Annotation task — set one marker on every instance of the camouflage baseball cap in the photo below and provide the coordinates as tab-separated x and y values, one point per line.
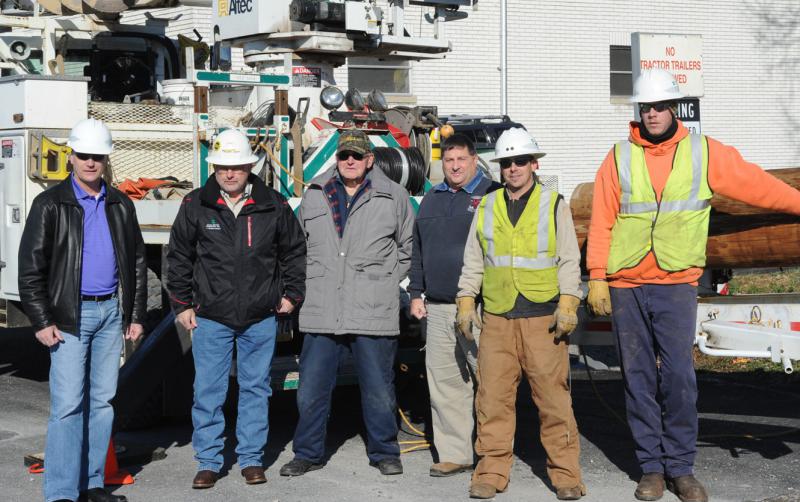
354	140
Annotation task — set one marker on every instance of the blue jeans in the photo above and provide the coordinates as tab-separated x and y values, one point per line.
659	320
212	347
319	361
83	380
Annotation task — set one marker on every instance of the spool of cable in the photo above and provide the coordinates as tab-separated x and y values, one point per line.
425	146
405	166
19	50
264	115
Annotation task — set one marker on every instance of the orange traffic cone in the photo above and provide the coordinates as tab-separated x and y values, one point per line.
114	475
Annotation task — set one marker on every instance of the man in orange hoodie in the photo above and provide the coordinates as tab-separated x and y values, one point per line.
646	251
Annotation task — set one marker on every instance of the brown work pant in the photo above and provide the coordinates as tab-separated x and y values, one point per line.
509	346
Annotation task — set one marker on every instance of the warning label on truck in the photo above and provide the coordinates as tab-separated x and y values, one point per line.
7	148
306	76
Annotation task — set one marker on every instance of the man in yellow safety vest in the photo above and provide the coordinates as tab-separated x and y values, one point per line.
522	256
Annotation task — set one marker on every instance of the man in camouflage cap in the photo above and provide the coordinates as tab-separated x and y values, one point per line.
358	226
355	140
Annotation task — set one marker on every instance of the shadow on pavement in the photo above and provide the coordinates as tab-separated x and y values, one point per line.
742	413
21	355
747	413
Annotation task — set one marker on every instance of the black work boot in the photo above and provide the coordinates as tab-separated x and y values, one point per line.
388	466
101	495
298	467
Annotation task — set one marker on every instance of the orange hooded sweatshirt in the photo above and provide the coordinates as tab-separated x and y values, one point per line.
728	174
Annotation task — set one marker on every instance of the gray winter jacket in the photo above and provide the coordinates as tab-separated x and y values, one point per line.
352	283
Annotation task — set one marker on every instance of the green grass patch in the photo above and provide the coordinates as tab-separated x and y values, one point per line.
783	281
759	372
703	362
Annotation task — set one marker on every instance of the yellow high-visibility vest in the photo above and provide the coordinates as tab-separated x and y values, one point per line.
676	228
518	259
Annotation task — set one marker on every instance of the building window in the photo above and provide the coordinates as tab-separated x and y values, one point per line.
621	74
391	77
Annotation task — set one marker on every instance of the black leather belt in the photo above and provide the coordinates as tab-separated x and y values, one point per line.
97	298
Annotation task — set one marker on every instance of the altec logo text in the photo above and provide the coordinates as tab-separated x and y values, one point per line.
231	7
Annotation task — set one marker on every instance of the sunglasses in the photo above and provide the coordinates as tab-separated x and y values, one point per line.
346	154
517	161
97	157
659	107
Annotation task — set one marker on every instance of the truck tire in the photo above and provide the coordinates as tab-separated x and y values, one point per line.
155	312
156	298
15	315
150	413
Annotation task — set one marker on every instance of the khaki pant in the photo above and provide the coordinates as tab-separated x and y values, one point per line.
509	346
451	363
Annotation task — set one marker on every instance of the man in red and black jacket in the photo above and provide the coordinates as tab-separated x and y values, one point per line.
237	257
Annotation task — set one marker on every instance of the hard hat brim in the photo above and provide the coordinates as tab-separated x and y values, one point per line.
93	149
535	155
656	98
222	161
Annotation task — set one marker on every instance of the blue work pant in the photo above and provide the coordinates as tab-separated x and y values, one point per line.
83	380
374	358
212	347
658	321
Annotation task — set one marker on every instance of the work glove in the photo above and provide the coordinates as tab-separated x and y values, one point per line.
565	318
599	298
467	316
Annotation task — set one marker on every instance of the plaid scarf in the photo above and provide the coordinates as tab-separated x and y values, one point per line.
337	200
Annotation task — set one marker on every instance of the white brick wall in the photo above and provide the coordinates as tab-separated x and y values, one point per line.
558	84
182	20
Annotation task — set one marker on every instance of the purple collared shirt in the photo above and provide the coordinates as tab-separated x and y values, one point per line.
99	269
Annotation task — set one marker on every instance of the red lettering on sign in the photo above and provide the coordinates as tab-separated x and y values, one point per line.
670	51
649	64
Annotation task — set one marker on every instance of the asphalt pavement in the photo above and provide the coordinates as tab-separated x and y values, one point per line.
748	451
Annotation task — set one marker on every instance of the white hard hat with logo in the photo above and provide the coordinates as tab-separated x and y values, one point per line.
90	136
516	142
656	85
231	148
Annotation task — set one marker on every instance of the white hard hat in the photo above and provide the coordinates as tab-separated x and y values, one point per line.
516	142
90	136
231	148
656	85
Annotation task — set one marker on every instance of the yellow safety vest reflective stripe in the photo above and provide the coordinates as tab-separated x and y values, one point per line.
521	258
675	228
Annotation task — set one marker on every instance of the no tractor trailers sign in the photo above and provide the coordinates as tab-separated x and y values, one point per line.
681	55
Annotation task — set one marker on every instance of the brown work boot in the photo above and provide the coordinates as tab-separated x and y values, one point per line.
444	469
204	479
688	489
482	491
571	492
650	487
254	475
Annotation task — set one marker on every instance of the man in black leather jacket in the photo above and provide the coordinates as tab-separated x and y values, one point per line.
82	282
